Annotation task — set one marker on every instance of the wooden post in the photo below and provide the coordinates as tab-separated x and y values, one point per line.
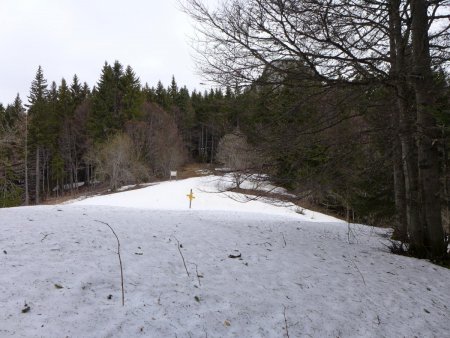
191	197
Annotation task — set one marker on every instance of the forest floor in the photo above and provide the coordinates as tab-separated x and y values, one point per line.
221	269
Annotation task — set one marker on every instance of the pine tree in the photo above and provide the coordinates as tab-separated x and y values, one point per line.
162	96
132	97
76	91
104	119
66	99
86	91
10	115
149	93
12	154
37	109
173	91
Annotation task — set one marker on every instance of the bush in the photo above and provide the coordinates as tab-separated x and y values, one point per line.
116	162
238	156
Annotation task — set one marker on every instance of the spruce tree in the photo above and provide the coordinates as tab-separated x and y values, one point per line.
149	93
37	109
162	96
104	117
76	91
173	91
66	100
86	91
132	96
12	113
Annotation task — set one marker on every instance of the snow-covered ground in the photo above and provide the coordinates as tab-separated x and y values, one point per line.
209	193
292	274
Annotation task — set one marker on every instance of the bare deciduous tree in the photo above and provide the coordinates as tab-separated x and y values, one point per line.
157	140
116	162
345	42
238	156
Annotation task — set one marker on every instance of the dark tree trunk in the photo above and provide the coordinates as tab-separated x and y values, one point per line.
404	121
401	226
410	172
38	176
27	191
427	133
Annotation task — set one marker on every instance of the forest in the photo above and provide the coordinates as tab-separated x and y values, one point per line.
350	119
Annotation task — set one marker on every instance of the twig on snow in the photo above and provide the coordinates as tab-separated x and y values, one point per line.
120	259
182	257
284	239
45	236
364	281
198	276
285	322
351	233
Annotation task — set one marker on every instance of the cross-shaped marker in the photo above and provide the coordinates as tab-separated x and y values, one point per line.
191	197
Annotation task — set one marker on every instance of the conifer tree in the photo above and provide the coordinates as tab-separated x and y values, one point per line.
149	93
86	91
76	91
10	115
173	91
37	109
132	97
104	119
161	95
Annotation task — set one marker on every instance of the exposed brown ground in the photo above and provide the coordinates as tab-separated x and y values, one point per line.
187	171
195	170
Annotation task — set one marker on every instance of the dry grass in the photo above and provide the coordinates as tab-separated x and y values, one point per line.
188	171
195	170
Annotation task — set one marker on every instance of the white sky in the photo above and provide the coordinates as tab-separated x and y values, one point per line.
77	36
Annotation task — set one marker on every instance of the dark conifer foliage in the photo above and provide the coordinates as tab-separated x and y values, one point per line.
328	144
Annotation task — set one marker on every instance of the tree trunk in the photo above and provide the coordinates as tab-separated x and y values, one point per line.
428	133
38	176
410	173
401	226
404	121
27	190
446	211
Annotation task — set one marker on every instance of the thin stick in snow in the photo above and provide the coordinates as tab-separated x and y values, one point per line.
46	235
198	276
120	259
285	322
284	239
182	257
364	281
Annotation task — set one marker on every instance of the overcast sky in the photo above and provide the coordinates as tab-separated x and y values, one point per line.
68	37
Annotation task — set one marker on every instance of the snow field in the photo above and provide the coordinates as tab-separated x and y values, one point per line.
290	270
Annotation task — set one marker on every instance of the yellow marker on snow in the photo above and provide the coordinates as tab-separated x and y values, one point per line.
191	197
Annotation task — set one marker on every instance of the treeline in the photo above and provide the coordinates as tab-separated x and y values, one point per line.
67	135
334	146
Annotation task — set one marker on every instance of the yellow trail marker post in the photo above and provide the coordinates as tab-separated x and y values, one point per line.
191	197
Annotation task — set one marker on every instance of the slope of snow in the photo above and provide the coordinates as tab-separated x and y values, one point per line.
293	276
172	195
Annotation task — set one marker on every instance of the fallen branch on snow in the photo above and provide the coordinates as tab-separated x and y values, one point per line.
356	266
120	259
182	257
284	239
285	322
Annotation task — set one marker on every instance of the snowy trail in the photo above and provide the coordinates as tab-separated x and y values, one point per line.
63	263
171	195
